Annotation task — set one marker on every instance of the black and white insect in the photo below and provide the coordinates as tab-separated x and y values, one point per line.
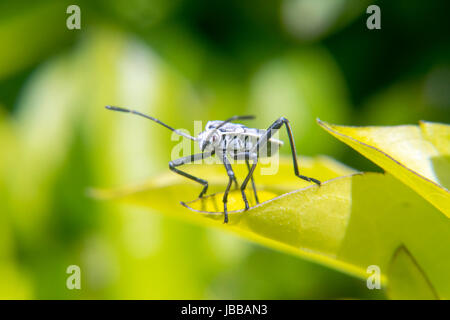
228	140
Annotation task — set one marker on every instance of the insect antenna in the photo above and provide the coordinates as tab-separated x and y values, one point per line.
233	118
151	118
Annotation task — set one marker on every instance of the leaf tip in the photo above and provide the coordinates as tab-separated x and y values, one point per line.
323	124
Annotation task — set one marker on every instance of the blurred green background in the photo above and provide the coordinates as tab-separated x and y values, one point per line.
182	61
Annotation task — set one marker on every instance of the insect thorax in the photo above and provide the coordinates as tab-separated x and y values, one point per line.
234	139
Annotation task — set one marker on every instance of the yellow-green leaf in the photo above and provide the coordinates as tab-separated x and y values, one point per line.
407	280
166	191
417	155
348	223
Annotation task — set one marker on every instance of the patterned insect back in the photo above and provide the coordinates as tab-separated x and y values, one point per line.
237	139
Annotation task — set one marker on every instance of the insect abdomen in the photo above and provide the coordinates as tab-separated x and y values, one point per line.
240	142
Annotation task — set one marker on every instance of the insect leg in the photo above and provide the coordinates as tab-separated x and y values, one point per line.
185	160
254	158
231	178
236	185
276	126
253	182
